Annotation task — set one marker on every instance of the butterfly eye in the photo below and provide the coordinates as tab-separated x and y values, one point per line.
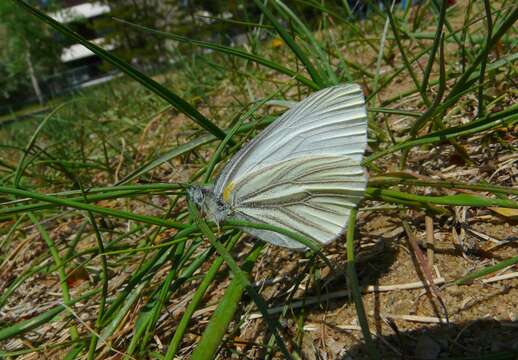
196	194
221	205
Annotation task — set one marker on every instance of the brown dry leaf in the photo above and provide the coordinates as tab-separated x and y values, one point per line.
511	214
77	276
108	203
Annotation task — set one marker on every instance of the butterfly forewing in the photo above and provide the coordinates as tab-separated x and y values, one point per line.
332	121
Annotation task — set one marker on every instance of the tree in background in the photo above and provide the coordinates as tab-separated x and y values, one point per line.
29	50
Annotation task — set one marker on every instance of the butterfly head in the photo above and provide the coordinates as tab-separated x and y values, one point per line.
211	205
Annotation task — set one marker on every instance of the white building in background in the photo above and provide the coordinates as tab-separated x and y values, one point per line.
82	65
85	10
81	12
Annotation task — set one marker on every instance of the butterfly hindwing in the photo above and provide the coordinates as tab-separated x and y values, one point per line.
311	195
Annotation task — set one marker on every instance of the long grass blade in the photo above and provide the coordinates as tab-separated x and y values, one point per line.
323	60
20	169
451	200
354	286
27	325
438	40
201	289
407	179
224	313
402	51
241	277
483	63
486	271
94	208
74	334
180	150
500	29
506	117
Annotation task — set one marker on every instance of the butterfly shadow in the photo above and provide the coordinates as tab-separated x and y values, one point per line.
475	339
308	285
467	340
310	277
293	281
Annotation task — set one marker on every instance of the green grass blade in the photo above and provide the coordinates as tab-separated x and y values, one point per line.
500	30
167	156
438	39
114	194
178	151
210	274
44	348
450	200
94	208
354	286
432	109
494	66
179	258
407	179
21	163
349	23
483	63
147	269
27	325
323	60
74	352
416	57
506	117
74	335
380	55
487	270
241	277
231	132
395	111
224	313
104	279
402	51
129	302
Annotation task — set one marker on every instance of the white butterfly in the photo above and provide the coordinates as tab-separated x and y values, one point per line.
301	173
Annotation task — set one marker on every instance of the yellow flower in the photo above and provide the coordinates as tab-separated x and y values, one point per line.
277	43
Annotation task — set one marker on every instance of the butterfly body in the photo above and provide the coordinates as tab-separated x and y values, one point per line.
301	173
210	204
